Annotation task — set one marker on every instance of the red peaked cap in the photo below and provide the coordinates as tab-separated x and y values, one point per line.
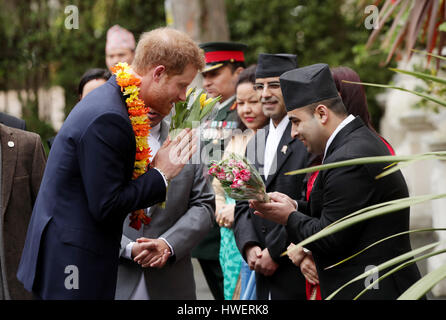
218	53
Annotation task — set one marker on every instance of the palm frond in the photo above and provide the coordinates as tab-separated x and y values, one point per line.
386	208
441	155
399	259
382	240
402	266
419	288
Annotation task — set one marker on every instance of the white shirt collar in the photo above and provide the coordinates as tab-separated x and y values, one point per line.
345	122
155	131
279	130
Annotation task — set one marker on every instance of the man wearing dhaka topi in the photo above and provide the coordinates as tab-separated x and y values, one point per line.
119	47
100	169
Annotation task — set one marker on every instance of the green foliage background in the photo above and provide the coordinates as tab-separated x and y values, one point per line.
317	31
38	51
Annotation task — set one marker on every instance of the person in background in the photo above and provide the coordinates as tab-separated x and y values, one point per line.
224	62
249	109
90	80
187	217
22	163
119	47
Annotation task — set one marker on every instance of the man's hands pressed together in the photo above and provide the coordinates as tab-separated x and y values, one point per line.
150	252
174	154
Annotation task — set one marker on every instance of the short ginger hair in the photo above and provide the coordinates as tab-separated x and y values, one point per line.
168	47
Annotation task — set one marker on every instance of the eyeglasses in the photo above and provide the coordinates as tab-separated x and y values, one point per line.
270	85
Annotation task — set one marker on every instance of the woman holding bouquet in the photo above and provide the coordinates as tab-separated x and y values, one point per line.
249	109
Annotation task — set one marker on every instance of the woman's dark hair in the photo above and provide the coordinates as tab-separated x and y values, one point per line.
353	95
247	75
92	74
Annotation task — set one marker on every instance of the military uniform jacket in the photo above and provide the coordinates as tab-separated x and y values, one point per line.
216	135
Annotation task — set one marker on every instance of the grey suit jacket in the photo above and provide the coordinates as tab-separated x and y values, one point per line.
186	219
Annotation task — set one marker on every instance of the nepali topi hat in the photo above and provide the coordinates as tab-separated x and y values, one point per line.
307	85
274	65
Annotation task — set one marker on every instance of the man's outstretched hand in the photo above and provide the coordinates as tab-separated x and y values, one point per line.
278	210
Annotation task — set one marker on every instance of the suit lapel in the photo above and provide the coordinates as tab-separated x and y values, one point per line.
282	153
256	153
340	137
9	161
164	132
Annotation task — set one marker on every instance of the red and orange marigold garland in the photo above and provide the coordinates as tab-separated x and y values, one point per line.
138	114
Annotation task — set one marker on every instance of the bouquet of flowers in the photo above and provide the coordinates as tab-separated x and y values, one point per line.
197	108
239	179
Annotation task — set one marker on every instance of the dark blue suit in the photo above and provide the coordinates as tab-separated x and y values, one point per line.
85	195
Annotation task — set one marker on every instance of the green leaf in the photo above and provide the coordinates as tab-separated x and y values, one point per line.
419	288
382	240
388	207
365	160
420	94
403	165
399	259
420	75
442	27
430	54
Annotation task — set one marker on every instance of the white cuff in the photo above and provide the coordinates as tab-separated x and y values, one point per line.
128	250
171	249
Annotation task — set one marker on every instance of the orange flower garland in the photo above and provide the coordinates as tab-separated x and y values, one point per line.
138	114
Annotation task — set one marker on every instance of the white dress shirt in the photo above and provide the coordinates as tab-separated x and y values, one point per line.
272	142
141	292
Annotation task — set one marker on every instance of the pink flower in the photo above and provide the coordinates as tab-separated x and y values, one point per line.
232	163
237	184
244	175
221	175
229	177
241	165
214	170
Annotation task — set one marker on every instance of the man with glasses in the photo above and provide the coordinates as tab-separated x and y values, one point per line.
273	152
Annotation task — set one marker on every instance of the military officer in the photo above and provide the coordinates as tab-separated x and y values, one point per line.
224	62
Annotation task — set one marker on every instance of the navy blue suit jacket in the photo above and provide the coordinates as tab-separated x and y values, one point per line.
73	239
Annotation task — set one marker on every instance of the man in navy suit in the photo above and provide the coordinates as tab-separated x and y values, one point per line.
73	239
